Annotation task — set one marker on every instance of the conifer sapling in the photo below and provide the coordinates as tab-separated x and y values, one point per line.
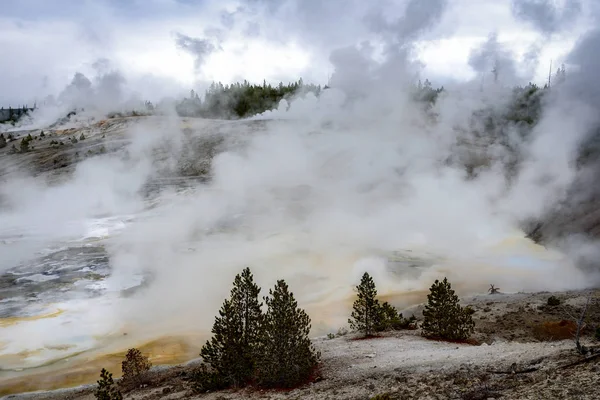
444	318
106	389
287	357
366	314
135	368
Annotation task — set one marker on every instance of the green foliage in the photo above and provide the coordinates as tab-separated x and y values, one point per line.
366	314
240	99
2	141
135	368
207	380
82	137
24	145
107	389
390	318
330	336
553	301
73	140
236	333
383	396
444	318
42	134
286	357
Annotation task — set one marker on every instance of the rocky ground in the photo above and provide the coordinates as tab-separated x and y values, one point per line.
522	349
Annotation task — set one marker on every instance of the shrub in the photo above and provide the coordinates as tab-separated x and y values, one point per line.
82	137
107	389
206	380
555	330
366	314
24	146
383	396
330	336
287	357
553	301
390	318
135	368
444	318
231	351
2	141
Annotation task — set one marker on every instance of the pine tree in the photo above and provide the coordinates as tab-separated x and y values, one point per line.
106	387
2	141
135	368
287	357
24	146
367	311
444	318
232	350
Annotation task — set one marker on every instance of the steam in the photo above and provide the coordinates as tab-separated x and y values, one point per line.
545	15
199	48
324	188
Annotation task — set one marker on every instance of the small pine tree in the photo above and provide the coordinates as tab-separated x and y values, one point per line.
135	368
2	141
367	311
107	389
287	357
82	137
24	146
444	318
236	333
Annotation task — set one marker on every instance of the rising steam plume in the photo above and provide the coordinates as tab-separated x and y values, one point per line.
322	189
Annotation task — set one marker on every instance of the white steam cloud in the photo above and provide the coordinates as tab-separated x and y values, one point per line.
325	189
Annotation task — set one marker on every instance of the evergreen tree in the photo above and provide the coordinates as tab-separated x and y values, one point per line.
24	146
232	350
390	318
106	389
2	141
287	357
444	318
367	311
135	368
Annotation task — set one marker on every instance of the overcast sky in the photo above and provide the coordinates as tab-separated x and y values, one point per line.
162	47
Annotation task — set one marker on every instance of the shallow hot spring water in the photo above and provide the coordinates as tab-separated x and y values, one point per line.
63	316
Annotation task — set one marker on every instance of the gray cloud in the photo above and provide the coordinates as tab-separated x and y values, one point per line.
545	16
493	56
199	48
582	82
418	16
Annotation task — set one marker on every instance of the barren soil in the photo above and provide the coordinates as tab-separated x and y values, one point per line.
514	356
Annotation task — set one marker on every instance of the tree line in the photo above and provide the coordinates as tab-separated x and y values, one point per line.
272	348
241	100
